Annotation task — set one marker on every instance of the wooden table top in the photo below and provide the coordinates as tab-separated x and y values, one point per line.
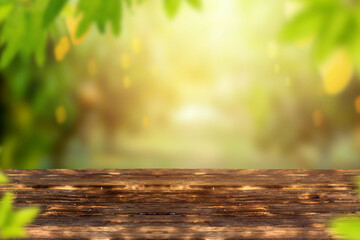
184	204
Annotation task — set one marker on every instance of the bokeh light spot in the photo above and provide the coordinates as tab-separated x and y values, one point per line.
287	81
92	67
60	114
357	104
146	121
277	68
125	61
136	45
72	25
89	94
318	118
291	8
305	42
61	48
273	50
337	72
127	82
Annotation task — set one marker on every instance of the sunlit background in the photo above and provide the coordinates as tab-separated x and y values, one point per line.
209	88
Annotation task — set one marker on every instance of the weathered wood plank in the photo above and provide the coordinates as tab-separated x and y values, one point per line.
184	204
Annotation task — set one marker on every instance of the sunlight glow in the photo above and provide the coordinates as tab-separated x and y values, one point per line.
196	113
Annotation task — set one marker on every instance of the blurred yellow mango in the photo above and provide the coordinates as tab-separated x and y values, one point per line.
61	48
72	25
60	114
337	72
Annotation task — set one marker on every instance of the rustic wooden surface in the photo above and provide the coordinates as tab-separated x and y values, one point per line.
184	204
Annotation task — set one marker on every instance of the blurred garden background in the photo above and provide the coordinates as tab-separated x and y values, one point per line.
179	84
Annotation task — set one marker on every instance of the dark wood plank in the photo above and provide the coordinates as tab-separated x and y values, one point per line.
184	204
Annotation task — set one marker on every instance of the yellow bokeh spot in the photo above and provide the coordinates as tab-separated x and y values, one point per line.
146	121
277	68
291	7
357	104
72	25
127	81
288	81
337	72
62	48
305	42
318	118
89	93
136	45
92	67
273	50
125	61
60	115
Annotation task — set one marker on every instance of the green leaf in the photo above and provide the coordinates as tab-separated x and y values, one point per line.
5	209
24	216
12	232
128	3
12	35
5	10
89	11
3	178
331	34
348	228
195	4
53	8
354	46
305	24
40	51
99	12
37	35
23	34
12	222
172	7
115	13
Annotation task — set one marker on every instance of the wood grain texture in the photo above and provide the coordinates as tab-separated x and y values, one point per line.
184	204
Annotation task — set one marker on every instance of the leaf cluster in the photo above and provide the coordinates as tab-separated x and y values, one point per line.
12	222
331	24
25	25
172	7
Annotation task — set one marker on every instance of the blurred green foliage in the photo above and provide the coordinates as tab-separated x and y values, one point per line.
172	7
12	222
30	94
330	24
34	21
33	84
